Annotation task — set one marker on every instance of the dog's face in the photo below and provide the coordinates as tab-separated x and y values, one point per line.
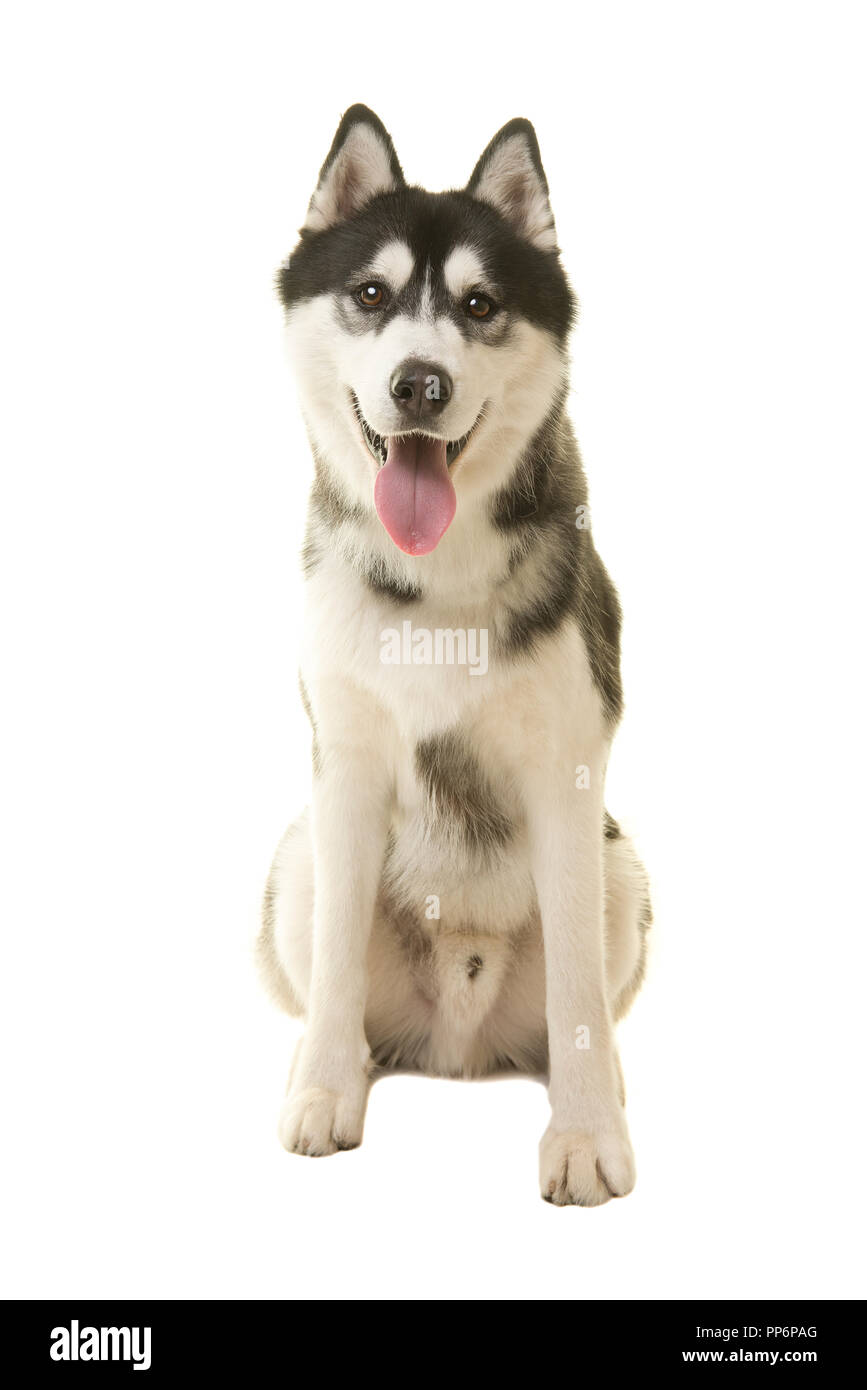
427	330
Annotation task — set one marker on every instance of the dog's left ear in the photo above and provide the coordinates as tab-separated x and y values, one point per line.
361	163
510	177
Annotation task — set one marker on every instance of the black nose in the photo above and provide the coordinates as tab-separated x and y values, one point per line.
420	389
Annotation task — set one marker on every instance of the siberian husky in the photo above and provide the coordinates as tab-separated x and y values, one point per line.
457	899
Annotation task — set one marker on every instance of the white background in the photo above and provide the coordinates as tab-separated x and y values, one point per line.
706	167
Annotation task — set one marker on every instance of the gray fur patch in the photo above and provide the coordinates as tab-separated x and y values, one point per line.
460	797
555	573
378	578
328	508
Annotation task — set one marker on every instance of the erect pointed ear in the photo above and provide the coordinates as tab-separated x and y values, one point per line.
360	164
510	177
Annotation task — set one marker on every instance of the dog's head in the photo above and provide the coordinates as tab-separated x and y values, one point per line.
427	329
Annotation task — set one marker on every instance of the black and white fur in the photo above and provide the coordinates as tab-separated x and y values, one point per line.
429	782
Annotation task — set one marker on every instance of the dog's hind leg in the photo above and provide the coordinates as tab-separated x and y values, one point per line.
627	919
517	1027
284	947
396	1018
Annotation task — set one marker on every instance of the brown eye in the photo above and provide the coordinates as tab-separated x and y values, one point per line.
478	306
370	296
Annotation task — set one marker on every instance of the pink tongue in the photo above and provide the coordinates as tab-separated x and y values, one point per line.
413	494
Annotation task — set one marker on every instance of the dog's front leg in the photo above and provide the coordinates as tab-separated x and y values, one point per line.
324	1108
585	1154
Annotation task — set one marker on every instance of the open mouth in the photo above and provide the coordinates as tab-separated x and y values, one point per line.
378	445
413	494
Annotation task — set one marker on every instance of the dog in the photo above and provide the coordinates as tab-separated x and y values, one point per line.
457	899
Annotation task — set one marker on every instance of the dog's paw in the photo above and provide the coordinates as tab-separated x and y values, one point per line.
585	1170
316	1122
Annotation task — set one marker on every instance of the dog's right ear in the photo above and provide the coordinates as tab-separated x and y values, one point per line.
360	164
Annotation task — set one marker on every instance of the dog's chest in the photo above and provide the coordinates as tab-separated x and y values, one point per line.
431	664
434	667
